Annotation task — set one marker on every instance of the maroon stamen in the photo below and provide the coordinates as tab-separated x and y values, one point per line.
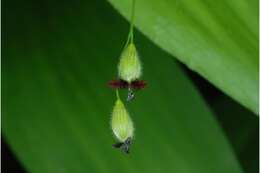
138	84
121	84
118	84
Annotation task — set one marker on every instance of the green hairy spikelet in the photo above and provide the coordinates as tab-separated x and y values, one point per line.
129	68
121	123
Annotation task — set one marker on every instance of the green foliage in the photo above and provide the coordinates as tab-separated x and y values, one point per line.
217	39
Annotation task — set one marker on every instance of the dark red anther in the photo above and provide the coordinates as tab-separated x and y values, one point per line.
118	84
138	84
121	84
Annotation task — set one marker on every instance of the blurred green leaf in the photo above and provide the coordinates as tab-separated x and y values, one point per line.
217	39
57	59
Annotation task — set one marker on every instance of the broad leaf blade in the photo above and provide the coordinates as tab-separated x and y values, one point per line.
217	39
56	108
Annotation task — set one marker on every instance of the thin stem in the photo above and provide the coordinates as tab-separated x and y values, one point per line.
117	94
130	37
132	22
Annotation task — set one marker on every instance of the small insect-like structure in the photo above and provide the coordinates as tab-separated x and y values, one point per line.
129	72
122	126
124	146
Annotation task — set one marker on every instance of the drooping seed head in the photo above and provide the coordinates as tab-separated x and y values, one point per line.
129	68
122	124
